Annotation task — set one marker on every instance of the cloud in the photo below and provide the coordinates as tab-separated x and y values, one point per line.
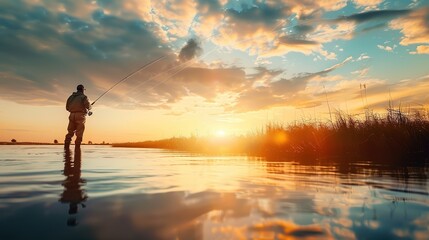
385	48
279	93
307	40
256	99
256	28
296	84
331	5
375	96
48	47
191	50
172	86
374	27
414	27
59	47
367	4
129	9
323	31
328	55
209	17
208	83
249	29
291	40
286	44
56	51
313	9
422	49
374	15
16	88
362	72
363	56
412	93
311	90
309	36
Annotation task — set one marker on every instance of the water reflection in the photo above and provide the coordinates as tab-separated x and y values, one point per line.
153	194
73	194
170	215
353	199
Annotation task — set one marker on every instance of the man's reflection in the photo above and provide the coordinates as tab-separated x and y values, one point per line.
73	194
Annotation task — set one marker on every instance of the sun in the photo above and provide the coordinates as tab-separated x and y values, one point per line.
220	133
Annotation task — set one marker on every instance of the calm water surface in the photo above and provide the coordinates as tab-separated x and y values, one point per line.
122	193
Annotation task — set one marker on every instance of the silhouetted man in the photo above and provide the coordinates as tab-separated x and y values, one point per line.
78	105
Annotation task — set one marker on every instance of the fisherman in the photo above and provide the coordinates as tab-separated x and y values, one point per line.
78	105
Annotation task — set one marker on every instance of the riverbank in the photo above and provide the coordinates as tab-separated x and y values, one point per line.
42	143
27	143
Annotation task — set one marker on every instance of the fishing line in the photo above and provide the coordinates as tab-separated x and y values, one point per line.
128	76
171	69
133	90
188	63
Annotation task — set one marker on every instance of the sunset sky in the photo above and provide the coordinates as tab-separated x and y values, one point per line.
229	66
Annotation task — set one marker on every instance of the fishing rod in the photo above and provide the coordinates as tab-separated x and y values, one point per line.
128	76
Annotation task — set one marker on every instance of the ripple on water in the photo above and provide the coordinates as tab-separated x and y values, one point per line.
156	194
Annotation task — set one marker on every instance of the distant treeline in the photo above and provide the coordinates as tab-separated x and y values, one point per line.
393	136
43	143
25	143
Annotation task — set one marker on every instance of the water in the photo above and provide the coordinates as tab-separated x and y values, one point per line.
123	193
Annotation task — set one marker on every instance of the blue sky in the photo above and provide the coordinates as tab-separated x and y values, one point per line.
241	57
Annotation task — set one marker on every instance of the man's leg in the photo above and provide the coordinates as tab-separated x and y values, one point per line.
80	128
70	130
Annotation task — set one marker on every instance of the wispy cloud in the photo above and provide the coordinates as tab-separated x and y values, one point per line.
363	56
385	48
279	93
374	15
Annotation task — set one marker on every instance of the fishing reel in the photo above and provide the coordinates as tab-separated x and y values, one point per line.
89	113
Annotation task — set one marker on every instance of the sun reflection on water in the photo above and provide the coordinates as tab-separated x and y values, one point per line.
156	194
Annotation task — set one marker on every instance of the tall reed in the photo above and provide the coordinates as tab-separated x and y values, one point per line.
396	135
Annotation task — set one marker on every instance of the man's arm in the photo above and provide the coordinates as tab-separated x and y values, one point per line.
68	103
86	103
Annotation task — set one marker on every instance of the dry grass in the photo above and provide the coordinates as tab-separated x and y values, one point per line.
381	138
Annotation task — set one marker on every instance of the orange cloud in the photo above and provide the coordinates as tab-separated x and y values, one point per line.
207	24
252	29
141	7
368	4
305	8
422	49
331	5
414	27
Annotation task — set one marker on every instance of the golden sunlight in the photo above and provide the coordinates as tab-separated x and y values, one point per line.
280	138
220	133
